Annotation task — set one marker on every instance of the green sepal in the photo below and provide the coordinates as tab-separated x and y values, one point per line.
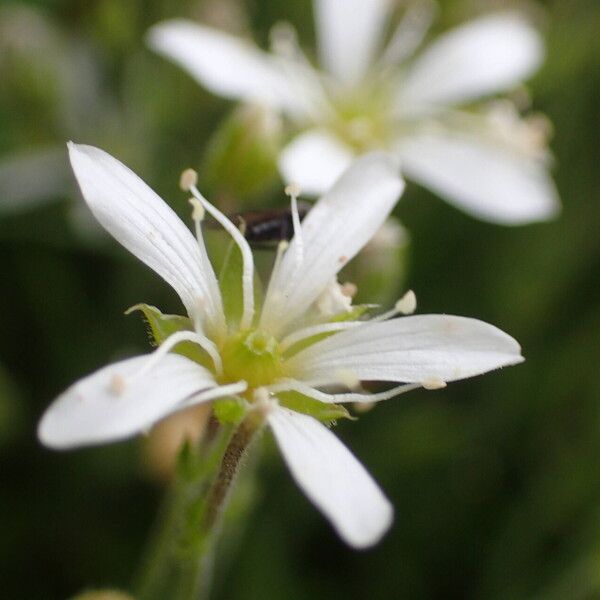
324	412
230	410
230	282
352	315
161	326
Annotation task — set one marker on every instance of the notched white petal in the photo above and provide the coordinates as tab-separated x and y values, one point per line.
483	177
141	221
349	33
332	478
483	57
416	349
333	232
115	402
225	64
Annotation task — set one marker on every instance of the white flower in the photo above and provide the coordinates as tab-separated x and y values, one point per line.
486	159
286	346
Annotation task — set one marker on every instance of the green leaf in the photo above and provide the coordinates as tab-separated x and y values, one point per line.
229	410
161	326
324	412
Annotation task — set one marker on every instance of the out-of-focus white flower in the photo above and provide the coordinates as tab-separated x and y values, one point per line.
290	345
484	159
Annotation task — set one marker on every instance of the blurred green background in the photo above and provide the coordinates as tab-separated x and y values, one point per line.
496	481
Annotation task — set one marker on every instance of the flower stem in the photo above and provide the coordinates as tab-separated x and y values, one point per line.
179	563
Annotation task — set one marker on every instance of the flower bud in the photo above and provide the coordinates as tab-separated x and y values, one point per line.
241	159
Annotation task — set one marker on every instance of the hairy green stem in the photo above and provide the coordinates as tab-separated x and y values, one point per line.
178	564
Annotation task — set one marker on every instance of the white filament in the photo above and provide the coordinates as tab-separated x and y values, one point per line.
182	336
247	261
307	390
293	191
217	392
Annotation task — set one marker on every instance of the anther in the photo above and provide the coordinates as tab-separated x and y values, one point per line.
348	379
348	289
292	190
247	261
434	383
188	179
198	211
407	304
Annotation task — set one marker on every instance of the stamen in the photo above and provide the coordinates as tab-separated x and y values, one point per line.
188	179
303	388
405	306
281	249
293	191
349	289
434	383
218	392
182	336
248	263
198	214
333	301
198	211
347	378
313	330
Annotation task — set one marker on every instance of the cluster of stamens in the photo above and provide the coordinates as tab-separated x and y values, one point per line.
249	359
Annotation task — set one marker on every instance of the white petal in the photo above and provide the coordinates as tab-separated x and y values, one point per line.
225	64
416	349
334	230
113	404
349	33
482	177
483	57
332	478
314	160
137	218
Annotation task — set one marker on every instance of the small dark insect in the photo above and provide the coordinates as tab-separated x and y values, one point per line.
266	228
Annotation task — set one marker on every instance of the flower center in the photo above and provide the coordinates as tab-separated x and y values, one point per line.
252	356
362	119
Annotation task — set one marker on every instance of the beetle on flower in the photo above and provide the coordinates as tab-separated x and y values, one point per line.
282	361
423	107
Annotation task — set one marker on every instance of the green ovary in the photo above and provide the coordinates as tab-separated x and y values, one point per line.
253	357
